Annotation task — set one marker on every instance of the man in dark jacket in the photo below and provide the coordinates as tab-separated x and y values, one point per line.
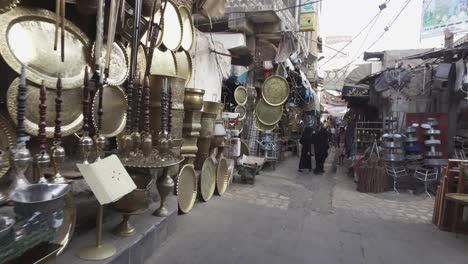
320	140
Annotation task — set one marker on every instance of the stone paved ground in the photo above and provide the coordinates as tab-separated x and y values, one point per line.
291	217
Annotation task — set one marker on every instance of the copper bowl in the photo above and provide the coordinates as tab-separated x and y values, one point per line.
193	99
139	199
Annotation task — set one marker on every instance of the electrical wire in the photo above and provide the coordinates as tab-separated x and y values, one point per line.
313	40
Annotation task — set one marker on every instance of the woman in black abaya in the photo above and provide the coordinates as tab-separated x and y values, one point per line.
306	153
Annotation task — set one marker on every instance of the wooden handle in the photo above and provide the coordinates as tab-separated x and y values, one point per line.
42	117
21	107
58	110
146	113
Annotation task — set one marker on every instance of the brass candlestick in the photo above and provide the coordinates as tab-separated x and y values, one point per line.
57	151
42	159
86	142
20	155
165	185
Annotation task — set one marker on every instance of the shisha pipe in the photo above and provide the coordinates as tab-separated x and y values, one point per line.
152	36
135	38
163	141
136	136
99	33
42	159
100	139
57	151
20	155
147	143
86	142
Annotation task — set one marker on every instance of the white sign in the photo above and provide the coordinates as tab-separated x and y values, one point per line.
441	14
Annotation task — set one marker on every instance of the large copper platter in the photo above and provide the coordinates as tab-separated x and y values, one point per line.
187	28
8	138
119	63
163	63
222	176
184	65
262	127
72	116
186	188
27	36
240	109
172	33
267	114
114	111
7	5
208	179
275	90
66	230
240	95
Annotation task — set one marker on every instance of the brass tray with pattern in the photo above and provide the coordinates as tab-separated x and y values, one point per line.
27	36
242	111
72	110
66	230
184	65
156	19
275	90
163	63
172	33
222	176
268	114
114	107
208	179
141	58
186	188
262	127
119	63
8	139
188	34
240	95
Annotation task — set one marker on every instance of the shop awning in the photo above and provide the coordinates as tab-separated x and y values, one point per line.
351	88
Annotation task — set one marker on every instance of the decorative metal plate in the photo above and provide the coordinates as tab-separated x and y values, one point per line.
163	63
172	33
275	90
267	114
184	65
222	176
7	5
188	35
119	63
27	36
240	95
7	140
72	116
65	232
242	111
186	188
141	58
114	107
262	127
208	179
157	18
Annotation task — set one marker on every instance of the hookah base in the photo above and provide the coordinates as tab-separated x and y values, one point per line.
161	212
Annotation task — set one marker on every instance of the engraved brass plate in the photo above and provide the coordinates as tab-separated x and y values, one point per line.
222	176
187	28
275	90
72	117
241	110
119	63
208	179
262	127
267	114
184	65
66	230
8	139
141	58
27	37
163	63
114	105
186	188
172	33
240	95
156	19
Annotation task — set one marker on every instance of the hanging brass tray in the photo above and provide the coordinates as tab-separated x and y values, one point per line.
172	33
275	90
114	110
72	116
262	127
119	63
163	63
242	111
141	58
186	188
27	36
208	179
7	5
184	65
240	95
188	35
222	176
156	19
267	114
66	230
8	139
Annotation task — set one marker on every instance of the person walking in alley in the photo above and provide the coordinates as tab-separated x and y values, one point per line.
321	145
341	145
306	152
